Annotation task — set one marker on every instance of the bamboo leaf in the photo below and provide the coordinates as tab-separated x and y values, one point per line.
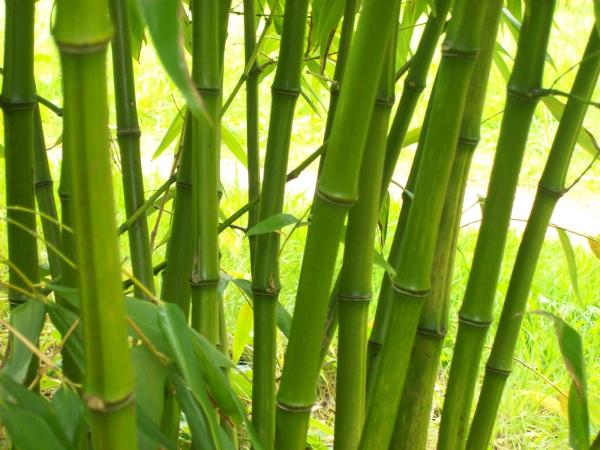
27	430
273	223
27	319
163	18
172	133
71	414
571	348
596	443
243	327
149	395
379	260
594	246
63	319
326	15
597	15
149	434
234	145
570	257
137	28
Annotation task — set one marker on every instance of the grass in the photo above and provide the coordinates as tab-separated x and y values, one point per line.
532	414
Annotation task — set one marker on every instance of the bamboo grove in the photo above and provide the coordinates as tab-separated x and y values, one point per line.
143	356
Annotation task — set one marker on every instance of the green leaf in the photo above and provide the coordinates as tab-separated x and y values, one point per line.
24	412
28	320
571	348
71	415
163	18
63	319
150	436
556	108
172	133
136	28
243	327
570	257
380	261
149	395
597	14
234	145
273	223
326	15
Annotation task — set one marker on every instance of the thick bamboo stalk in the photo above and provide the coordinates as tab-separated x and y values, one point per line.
128	136
252	119
82	32
354	290
550	189
476	312
412	281
414	85
414	412
44	193
337	190
18	103
206	73
265	278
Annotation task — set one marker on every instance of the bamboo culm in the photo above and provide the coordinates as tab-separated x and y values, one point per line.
337	190
354	290
412	281
550	190
128	136
414	411
265	277
475	314
82	31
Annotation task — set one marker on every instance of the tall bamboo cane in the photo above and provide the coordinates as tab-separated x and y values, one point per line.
18	103
415	407
476	312
128	136
412	281
252	119
337	190
206	73
550	190
354	289
44	193
265	279
82	32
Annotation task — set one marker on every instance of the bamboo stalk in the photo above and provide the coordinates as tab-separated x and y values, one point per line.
550	190
476	312
128	136
354	290
18	103
412	281
82	32
44	192
414	85
206	73
414	412
337	190
252	124
265	277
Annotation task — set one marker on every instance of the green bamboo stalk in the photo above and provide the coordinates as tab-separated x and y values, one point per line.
354	290
337	190
476	312
18	102
550	190
128	136
413	418
265	277
44	192
414	85
252	119
412	281
82	32
206	74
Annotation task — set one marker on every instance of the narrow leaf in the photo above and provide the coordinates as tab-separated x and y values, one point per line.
273	223
243	327
570	257
234	145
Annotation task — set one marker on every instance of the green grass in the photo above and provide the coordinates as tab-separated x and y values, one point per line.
532	415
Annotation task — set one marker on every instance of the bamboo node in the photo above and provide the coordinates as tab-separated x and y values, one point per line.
99	405
333	200
196	281
183	185
286	91
410	292
473	322
388	101
501	372
8	105
82	49
411	84
463	53
203	90
525	95
274	292
293	408
375	344
354	298
437	334
42	183
122	132
469	142
551	192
